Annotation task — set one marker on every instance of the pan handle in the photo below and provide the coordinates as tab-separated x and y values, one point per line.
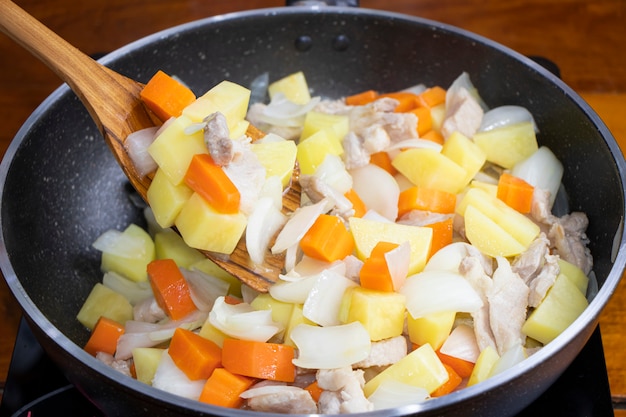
349	3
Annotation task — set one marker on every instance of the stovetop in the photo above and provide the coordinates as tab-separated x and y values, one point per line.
36	387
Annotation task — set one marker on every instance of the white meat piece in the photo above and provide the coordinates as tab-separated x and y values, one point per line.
463	114
472	269
343	391
119	365
317	189
291	400
354	153
217	139
375	139
247	174
538	268
399	126
338	107
385	352
508	303
353	267
148	311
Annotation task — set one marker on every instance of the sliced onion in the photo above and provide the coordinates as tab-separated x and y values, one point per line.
435	291
273	188
168	377
414	144
378	189
461	343
119	244
392	393
542	170
258	88
302	219
505	116
264	222
333	172
510	358
330	347
464	81
133	291
295	291
204	289
241	321
448	258
283	112
323	302
398	261
137	144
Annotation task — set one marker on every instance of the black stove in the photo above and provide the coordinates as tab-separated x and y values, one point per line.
36	387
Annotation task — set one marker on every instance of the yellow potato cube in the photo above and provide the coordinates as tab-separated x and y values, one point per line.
293	86
575	274
173	149
431	169
508	145
381	313
166	199
483	366
146	361
432	328
488	236
312	151
464	152
228	98
297	317
204	228
278	158
336	127
132	263
212	333
420	368
367	233
169	245
103	301
491	189
438	114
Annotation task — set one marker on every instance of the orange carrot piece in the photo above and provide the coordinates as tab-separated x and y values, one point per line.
443	233
361	99
359	206
328	239
315	390
433	136
229	299
407	101
454	380
515	192
259	359
223	388
170	288
424	120
104	336
427	199
210	181
374	273
462	367
383	160
196	356
165	96
431	97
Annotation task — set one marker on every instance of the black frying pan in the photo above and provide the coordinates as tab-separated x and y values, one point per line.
61	187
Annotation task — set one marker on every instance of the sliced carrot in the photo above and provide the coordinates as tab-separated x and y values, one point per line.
427	199
104	336
315	390
424	120
223	388
454	380
407	101
359	206
443	232
170	288
431	97
209	180
196	356
383	160
259	359
229	299
361	99
165	96
433	136
374	273
462	367
515	192
328	239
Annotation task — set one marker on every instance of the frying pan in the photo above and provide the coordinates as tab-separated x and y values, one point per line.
61	187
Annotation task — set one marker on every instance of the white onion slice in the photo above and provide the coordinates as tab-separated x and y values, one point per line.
332	171
263	223
168	377
241	321
137	144
323	303
302	219
435	291
330	347
293	291
392	393
204	289
542	170
283	112
415	144
133	291
510	358
398	261
448	258
119	244
378	189
461	343
505	116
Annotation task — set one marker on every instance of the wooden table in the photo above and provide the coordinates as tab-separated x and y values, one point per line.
583	37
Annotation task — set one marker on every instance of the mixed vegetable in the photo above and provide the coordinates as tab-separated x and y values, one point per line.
425	256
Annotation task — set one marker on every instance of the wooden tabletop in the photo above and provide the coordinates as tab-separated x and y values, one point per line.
585	38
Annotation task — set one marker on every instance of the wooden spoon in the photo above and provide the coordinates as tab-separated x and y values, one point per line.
114	104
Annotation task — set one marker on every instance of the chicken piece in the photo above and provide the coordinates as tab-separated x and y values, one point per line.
217	139
122	366
380	113
148	311
538	268
508	303
354	153
317	189
343	391
472	269
385	352
463	113
284	400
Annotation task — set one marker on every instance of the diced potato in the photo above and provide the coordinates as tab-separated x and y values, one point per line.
210	268
293	86
438	114
173	149
146	361
278	158
166	199
432	328
103	301
420	368
132	264
381	313
312	151
464	152
281	311
204	228
239	129
336	127
297	317
431	169
367	233
212	333
491	189
169	245
488	237
508	145
228	98
575	274
484	364
561	306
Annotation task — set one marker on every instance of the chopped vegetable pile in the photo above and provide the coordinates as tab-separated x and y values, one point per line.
425	256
